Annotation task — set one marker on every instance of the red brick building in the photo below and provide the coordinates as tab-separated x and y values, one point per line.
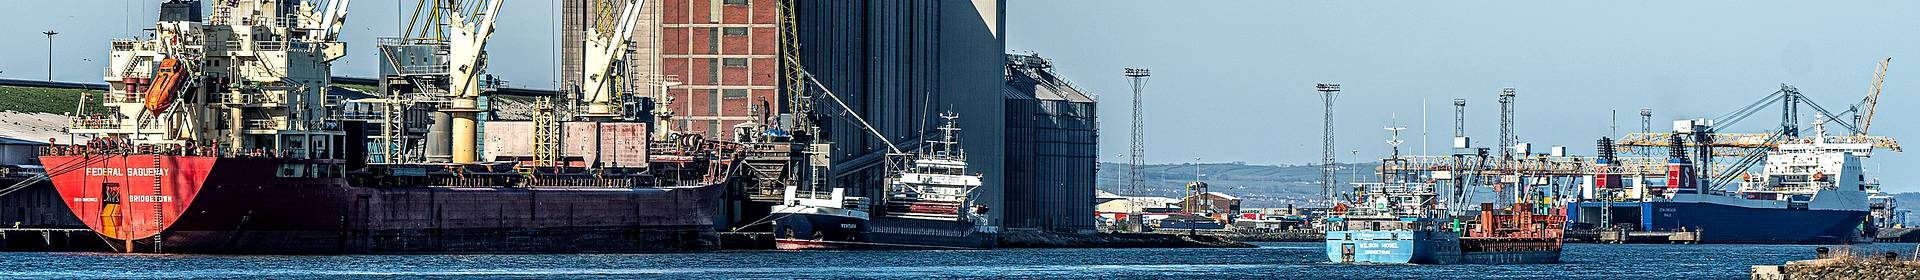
726	55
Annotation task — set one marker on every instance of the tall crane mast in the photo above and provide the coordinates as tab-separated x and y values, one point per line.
1873	96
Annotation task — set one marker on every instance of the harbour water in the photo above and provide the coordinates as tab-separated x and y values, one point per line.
1271	260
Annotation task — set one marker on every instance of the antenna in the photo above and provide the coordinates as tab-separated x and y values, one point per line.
1328	92
1395	128
1507	138
1138	158
1459	118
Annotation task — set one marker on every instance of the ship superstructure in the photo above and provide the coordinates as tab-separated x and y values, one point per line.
928	205
252	78
934	184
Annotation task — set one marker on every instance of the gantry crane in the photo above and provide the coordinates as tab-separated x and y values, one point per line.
1750	149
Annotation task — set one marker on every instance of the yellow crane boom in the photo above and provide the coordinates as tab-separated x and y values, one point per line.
1873	96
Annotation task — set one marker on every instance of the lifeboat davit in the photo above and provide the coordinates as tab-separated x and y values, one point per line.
165	83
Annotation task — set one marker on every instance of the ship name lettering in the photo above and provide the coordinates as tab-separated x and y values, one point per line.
147	171
149	198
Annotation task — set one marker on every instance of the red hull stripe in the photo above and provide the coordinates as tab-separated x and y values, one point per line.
130	196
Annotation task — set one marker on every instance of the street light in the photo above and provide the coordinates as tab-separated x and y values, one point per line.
50	34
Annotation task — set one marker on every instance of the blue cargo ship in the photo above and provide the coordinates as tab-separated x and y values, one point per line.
1809	191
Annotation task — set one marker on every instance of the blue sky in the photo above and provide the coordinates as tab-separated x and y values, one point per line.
1233	80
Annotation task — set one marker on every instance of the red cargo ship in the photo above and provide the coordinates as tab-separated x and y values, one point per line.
183	201
220	141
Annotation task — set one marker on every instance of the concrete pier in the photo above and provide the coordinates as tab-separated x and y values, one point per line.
44	239
1035	239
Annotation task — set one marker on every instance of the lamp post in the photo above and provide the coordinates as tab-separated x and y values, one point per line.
50	34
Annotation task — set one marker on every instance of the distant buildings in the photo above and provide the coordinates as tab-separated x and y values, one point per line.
1216	205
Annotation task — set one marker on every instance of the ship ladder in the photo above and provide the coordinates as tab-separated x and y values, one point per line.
159	217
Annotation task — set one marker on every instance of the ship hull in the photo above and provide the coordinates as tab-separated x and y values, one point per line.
810	231
1432	247
1730	224
833	232
243	206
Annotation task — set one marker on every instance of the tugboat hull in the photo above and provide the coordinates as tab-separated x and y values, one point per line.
795	231
1432	247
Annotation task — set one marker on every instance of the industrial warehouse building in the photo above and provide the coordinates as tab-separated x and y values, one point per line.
1051	144
896	63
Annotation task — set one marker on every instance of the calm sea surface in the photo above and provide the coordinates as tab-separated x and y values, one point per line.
1271	260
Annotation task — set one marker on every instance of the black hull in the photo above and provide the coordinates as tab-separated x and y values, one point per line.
812	231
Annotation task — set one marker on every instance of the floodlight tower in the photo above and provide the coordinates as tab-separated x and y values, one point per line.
1137	159
1328	92
1507	138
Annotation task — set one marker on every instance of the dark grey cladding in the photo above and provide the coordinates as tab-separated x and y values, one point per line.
1051	144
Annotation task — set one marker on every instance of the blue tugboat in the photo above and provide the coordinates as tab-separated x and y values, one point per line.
1403	220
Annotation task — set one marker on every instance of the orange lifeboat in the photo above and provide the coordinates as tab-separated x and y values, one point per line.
166	81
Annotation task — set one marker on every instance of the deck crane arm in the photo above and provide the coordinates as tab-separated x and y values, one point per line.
604	48
329	30
466	66
336	16
468	49
1873	96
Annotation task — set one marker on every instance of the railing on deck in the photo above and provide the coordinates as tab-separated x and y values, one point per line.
263	124
95	123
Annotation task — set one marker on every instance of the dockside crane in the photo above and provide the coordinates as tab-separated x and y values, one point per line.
1747	150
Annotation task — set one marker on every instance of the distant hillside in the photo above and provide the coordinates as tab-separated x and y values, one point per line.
46	100
1908	201
1259	186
